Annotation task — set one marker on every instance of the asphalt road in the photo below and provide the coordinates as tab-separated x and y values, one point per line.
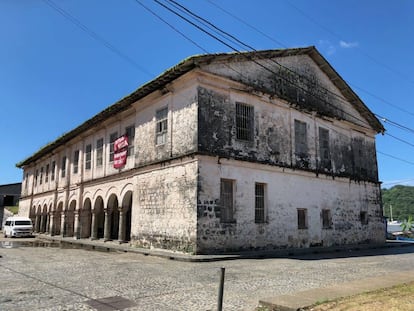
50	278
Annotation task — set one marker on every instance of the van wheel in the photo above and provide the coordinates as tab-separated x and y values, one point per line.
5	235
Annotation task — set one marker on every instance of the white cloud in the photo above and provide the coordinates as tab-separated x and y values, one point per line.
327	46
348	45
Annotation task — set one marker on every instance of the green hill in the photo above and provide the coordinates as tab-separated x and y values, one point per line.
401	198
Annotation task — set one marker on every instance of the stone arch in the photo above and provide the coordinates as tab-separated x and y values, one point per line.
126	219
43	219
57	217
69	219
85	219
49	216
98	219
112	213
38	215
32	214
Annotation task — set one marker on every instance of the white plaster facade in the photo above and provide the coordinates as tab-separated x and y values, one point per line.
169	194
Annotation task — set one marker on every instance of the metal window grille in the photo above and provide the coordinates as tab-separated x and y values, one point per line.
130	132
301	144
226	200
244	122
259	209
112	139
302	218
161	127
326	219
76	162
88	157
99	152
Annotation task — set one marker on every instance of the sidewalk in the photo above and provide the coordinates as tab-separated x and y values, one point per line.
299	300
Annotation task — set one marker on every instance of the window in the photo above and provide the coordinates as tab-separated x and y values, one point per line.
36	176
26	180
301	144
324	152
112	139
52	173
244	122
259	208
63	172
76	162
88	157
47	173
326	219
161	126
99	152
130	132
41	175
226	200
302	218
363	216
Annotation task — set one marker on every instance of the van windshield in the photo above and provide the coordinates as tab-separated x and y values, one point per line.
22	223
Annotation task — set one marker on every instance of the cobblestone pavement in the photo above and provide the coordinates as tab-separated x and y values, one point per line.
48	278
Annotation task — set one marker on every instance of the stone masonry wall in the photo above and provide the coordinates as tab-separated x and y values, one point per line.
286	190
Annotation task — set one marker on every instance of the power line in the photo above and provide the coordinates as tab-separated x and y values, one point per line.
394	157
95	36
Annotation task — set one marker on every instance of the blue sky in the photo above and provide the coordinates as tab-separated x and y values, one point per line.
57	71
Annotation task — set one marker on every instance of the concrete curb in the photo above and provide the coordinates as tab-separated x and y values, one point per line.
300	300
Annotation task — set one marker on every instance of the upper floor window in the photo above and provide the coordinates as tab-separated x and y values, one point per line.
52	172
161	126
36	176
112	139
63	167
244	122
99	152
76	162
26	180
130	132
324	151
41	175
88	157
301	140
47	173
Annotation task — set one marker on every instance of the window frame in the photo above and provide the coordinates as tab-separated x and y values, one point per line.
326	218
130	133
301	138
161	126
76	161
88	157
63	167
260	203
244	122
112	137
227	200
302	217
99	152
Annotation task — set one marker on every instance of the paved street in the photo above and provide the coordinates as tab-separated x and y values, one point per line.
48	278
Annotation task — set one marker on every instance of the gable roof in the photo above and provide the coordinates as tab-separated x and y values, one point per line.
195	62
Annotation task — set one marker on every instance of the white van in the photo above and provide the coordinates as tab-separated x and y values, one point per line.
18	226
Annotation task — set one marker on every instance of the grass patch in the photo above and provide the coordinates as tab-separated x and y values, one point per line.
400	297
12	209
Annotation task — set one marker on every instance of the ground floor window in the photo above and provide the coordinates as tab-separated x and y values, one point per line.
302	218
326	219
226	200
259	207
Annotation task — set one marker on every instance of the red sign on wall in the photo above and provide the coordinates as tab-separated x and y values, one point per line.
120	151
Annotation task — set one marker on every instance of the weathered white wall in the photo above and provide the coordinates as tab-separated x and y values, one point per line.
287	190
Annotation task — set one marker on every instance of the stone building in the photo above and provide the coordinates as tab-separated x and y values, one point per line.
223	152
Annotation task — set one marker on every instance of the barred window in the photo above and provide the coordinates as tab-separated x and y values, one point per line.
302	218
259	209
76	162
326	219
161	126
99	152
130	132
112	139
244	122
226	200
301	141
88	157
